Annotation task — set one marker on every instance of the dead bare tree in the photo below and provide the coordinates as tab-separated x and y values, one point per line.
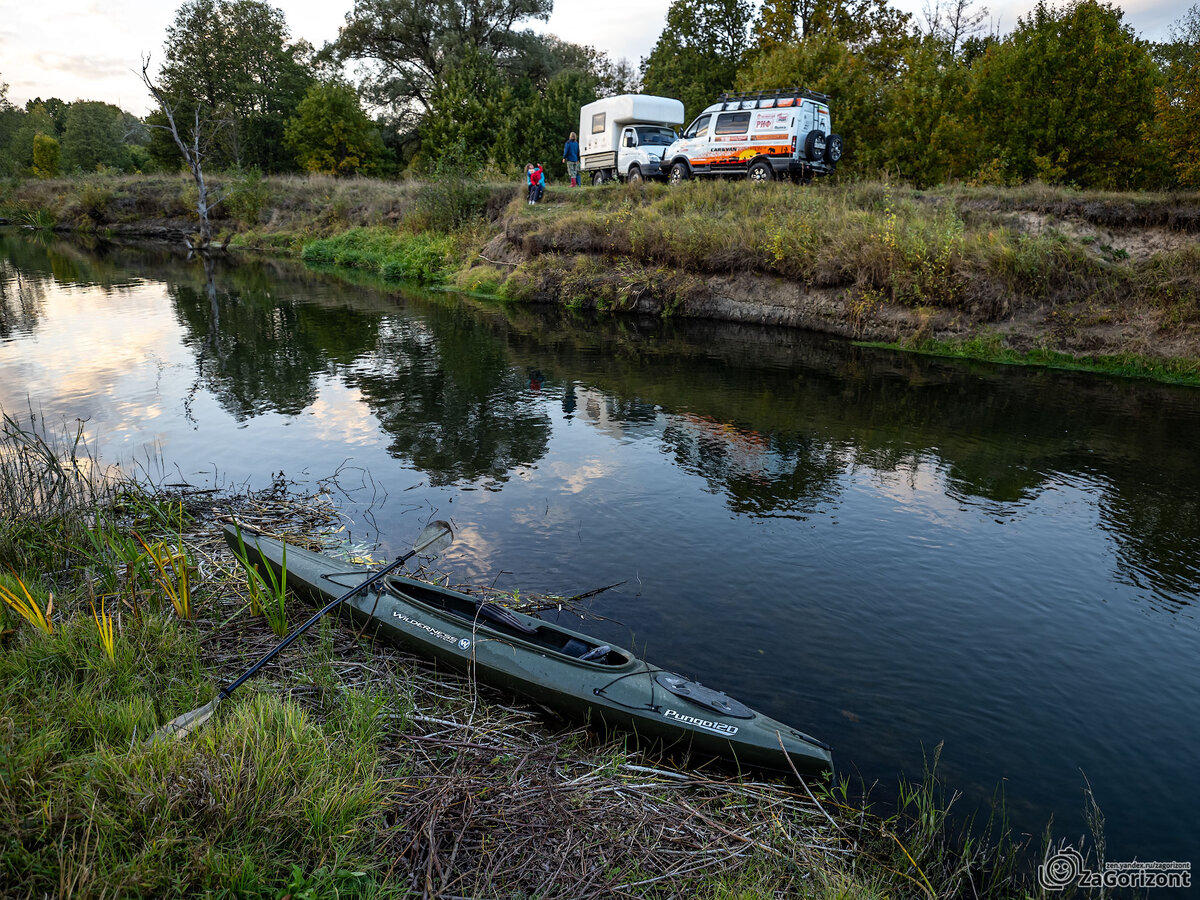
955	21
194	148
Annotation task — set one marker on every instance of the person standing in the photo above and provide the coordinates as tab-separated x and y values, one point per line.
571	158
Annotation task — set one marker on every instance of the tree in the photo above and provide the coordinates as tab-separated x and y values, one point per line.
698	54
1076	88
824	63
46	155
856	22
410	46
954	22
55	108
537	130
94	136
25	127
1177	99
331	133
193	143
468	111
234	59
10	122
925	138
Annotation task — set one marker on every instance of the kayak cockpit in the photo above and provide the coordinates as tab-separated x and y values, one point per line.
542	635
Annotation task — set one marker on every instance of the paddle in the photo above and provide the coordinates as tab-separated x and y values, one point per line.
432	540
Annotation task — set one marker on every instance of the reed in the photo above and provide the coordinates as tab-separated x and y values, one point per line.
49	485
266	593
22	602
106	630
174	573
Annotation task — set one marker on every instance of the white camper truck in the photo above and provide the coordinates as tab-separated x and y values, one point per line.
624	137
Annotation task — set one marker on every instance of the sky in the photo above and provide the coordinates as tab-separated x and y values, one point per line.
92	49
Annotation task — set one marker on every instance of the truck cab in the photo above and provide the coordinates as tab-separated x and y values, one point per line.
641	149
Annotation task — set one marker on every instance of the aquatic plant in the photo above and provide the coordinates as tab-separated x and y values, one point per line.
24	605
174	573
106	630
266	594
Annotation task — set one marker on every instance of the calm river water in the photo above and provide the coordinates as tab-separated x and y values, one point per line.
889	552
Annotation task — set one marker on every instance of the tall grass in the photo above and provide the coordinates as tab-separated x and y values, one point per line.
174	567
46	481
91	812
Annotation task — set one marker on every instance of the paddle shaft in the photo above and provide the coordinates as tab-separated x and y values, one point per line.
287	641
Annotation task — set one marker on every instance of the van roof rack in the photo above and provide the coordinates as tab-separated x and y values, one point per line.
758	97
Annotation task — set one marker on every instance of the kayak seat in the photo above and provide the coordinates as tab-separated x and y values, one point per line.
574	647
585	652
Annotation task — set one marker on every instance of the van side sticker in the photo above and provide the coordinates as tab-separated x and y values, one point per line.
440	635
708	724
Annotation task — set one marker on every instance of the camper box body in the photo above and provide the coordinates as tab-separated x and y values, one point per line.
625	136
760	134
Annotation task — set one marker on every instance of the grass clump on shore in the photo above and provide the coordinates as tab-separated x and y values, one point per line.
419	258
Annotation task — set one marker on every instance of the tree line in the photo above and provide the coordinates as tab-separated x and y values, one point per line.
1071	95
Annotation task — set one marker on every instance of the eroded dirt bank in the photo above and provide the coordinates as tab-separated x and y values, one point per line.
984	271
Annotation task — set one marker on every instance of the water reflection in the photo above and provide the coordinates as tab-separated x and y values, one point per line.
772	421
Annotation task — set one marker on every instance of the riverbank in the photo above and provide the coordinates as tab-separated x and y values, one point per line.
349	767
1036	275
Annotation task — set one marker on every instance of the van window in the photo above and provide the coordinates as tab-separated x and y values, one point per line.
698	127
598	123
732	123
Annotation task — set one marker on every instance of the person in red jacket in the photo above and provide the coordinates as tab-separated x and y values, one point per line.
537	182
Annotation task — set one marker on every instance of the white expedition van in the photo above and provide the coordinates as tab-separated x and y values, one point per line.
759	134
624	137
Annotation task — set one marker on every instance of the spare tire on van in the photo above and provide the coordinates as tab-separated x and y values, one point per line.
814	144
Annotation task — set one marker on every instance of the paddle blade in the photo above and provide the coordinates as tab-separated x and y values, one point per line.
434	538
184	725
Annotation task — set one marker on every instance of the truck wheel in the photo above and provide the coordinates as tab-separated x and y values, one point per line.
635	175
599	177
760	170
814	144
833	148
679	173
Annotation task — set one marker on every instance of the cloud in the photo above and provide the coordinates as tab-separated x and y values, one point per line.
87	68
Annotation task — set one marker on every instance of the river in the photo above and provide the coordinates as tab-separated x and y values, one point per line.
890	552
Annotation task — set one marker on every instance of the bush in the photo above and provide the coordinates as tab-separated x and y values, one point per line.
449	202
248	195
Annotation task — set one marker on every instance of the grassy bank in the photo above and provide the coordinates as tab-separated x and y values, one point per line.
349	768
991	348
1111	281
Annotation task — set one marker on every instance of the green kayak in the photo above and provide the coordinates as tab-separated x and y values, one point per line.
571	672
